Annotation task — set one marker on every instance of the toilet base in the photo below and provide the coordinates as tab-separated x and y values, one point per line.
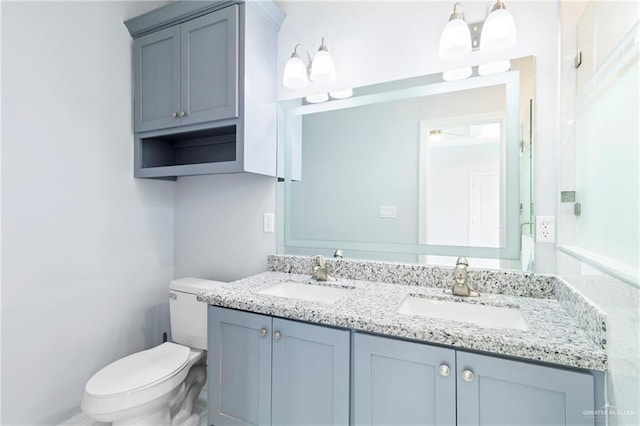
160	416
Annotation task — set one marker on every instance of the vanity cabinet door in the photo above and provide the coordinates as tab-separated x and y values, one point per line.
495	391
239	366
403	383
156	80
310	374
209	84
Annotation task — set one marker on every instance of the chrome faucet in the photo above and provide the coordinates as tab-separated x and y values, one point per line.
460	284
320	272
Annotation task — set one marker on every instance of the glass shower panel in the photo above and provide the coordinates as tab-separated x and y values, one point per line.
607	156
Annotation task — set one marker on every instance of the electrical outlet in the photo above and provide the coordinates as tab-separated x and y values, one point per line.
546	229
268	222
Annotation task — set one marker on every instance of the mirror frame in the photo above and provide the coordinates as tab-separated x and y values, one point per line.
291	113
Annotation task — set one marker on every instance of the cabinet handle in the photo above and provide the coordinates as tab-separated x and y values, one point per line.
174	115
182	114
263	332
276	335
445	370
467	375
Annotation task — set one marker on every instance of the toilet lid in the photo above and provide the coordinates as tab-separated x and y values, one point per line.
139	370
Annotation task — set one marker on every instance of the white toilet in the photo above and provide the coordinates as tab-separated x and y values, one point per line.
157	386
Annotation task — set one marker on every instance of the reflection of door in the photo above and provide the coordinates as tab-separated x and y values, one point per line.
484	209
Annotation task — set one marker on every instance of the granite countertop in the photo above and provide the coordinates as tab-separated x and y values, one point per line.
554	335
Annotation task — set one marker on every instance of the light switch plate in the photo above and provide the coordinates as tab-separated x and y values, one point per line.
387	211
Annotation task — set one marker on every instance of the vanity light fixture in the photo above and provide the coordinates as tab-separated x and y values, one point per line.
455	41
499	30
497	33
320	69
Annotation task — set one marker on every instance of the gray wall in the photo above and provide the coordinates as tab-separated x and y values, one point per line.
218	225
87	250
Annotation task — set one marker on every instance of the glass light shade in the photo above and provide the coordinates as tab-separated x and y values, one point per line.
457	74
323	69
295	74
341	94
317	99
455	40
494	67
498	32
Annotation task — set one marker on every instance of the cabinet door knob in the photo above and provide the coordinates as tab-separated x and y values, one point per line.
182	114
467	375
263	332
174	115
276	335
444	370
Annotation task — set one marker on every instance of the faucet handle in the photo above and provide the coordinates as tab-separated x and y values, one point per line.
338	254
462	261
320	260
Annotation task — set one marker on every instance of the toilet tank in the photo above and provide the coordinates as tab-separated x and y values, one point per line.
188	316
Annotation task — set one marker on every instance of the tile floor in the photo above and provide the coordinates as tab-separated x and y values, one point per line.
199	407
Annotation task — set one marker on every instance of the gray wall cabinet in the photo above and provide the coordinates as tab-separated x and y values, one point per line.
192	62
265	370
187	74
407	383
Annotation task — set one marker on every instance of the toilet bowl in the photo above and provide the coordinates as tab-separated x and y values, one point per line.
157	386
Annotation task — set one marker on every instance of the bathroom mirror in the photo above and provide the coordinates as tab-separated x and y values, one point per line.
416	170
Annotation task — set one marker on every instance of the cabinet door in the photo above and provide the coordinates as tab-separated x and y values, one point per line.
239	365
210	66
399	383
156	75
310	375
505	392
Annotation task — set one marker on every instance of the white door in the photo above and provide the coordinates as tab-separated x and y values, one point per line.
484	209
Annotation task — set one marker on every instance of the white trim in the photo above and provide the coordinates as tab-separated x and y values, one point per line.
609	266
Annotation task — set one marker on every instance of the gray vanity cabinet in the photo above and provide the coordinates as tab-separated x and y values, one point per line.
265	370
400	382
187	74
495	391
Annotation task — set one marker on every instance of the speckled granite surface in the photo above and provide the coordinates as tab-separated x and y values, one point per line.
486	281
557	334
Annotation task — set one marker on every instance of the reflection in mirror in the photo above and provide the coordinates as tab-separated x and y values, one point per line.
417	170
462	159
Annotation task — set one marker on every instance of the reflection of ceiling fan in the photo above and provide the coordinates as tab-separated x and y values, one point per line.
436	134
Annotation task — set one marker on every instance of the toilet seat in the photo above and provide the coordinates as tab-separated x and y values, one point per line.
137	379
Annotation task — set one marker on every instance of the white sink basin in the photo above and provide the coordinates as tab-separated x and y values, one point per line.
481	315
309	292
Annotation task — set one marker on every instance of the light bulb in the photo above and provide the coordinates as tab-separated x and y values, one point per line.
323	69
455	40
295	73
498	32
